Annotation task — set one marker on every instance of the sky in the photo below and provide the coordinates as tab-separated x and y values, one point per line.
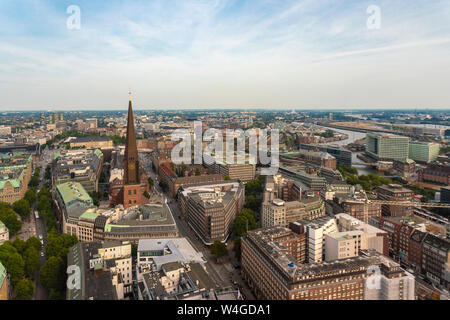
180	54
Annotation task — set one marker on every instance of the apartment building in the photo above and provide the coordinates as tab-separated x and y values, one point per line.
436	259
399	231
437	172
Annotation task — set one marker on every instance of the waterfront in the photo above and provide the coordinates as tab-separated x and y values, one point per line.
352	137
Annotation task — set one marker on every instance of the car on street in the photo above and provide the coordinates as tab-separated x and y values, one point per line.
42	253
40	237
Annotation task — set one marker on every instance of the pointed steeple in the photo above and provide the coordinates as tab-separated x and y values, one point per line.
131	159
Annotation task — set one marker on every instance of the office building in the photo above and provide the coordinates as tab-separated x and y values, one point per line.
92	142
342	155
275	275
83	166
383	146
277	212
396	193
15	174
210	209
423	152
105	271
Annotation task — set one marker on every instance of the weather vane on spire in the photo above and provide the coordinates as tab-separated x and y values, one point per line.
129	92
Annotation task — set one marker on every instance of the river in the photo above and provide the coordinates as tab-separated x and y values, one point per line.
352	137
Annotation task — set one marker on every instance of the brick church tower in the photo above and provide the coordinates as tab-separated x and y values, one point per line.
132	193
129	190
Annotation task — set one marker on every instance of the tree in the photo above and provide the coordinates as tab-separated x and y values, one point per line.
51	274
48	172
237	248
16	267
151	182
24	290
197	172
95	198
33	242
243	222
226	178
30	196
252	203
22	207
58	245
146	194
20	245
9	217
219	249
163	185
32	261
254	187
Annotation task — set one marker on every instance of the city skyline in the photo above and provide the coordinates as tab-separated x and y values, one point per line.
224	54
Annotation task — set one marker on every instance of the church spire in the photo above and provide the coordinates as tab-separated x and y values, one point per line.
131	160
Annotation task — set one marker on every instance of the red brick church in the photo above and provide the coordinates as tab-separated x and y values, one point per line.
130	190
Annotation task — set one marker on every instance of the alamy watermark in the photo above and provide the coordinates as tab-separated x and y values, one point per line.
235	142
374	20
74	20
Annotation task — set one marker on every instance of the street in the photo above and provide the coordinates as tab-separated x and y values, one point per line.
41	292
224	273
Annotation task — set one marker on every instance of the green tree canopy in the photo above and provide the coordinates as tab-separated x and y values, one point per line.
51	274
33	242
243	222
22	208
9	217
30	196
24	290
252	203
15	266
219	249
237	248
32	261
20	245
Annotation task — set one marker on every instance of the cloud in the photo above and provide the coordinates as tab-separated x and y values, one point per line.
225	53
